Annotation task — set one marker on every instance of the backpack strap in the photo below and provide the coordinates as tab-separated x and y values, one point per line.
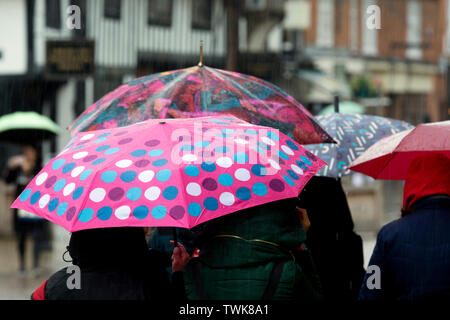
274	280
199	288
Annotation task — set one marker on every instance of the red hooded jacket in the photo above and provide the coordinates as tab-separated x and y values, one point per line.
427	175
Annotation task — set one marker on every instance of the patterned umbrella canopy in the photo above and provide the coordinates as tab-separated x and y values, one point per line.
202	91
176	172
354	133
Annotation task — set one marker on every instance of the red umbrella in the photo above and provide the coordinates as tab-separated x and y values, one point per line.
390	157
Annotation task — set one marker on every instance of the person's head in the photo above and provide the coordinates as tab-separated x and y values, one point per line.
427	175
30	153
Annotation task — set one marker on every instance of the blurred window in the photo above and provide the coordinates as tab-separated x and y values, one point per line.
53	14
325	23
160	12
201	14
112	9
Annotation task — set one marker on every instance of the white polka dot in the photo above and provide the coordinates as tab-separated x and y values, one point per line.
274	164
268	141
287	150
227	199
241	141
124	163
68	189
152	193
193	189
246	124
122	212
43	201
76	172
87	137
146	176
242	174
189	157
224	162
97	195
80	155
297	169
41	178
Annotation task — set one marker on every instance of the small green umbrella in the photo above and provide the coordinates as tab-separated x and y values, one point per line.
344	107
26	126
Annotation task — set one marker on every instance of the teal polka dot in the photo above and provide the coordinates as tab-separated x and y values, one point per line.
202	144
194	209
59	185
134	194
208	166
225	179
128	176
103	148
306	160
260	150
140	212
259	189
163	175
228	131
24	195
155	153
292	174
104	135
170	193
241	157
283	155
62	208
99	140
77	193
211	204
159	212
98	161
112	151
301	165
192	171
221	149
58	164
79	147
68	167
138	153
160	162
85	215
243	193
85	174
108	176
273	136
259	170
250	131
53	204
263	146
291	145
187	147
288	180
104	213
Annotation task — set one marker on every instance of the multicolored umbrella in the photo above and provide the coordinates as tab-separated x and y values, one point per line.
24	126
202	91
174	172
390	157
354	133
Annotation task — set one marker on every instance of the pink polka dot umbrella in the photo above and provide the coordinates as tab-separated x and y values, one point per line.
172	172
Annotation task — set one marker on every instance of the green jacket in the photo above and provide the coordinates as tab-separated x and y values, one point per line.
239	251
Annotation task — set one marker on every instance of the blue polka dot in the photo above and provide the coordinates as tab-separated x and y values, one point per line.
194	209
160	162
85	174
211	204
192	171
241	157
104	213
104	135
259	170
103	148
86	215
226	130
306	160
53	204
288	180
58	163
243	193
112	151
291	145
170	193
128	176
138	153
68	167
259	189
292	174
98	161
202	144
62	208
283	155
225	179
140	212
99	140
108	176
77	193
208	166
273	136
155	153
221	149
301	165
250	131
35	197
25	194
59	185
187	147
163	175
134	194
159	212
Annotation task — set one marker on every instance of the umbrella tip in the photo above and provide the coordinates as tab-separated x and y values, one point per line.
336	104
162	122
200	63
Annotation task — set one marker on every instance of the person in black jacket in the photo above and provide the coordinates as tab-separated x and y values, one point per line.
336	249
116	264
